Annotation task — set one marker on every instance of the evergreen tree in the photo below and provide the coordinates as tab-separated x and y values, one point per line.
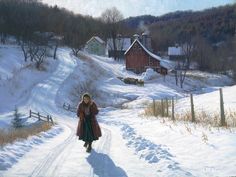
16	122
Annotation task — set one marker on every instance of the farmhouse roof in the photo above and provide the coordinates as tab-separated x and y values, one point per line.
96	38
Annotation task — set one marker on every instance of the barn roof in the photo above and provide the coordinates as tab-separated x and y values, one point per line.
97	38
163	63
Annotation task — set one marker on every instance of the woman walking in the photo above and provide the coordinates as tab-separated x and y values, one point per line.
88	128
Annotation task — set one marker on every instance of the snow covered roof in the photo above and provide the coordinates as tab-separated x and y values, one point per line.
97	38
121	44
164	63
176	51
167	64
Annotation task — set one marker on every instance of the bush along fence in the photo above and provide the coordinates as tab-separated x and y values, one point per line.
68	107
41	117
166	108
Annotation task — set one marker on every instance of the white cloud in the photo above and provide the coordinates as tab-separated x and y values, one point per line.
135	7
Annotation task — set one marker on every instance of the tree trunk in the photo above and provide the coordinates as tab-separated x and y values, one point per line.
55	52
114	47
24	52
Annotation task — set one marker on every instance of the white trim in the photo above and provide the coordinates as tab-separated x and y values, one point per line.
97	39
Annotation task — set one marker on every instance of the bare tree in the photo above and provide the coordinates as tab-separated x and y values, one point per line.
188	46
40	55
181	69
188	49
37	48
56	40
2	30
78	35
75	42
112	19
25	49
204	53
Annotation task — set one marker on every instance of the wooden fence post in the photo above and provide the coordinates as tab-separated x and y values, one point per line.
192	108
167	108
51	119
39	116
222	112
173	109
154	107
162	108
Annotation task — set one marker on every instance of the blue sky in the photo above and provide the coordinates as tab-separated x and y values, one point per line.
135	7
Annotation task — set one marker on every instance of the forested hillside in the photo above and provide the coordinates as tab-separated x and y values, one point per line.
216	25
21	18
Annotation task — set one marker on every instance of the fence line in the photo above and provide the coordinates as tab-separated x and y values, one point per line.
161	108
41	117
68	107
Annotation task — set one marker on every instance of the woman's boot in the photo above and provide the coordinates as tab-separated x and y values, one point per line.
89	148
85	144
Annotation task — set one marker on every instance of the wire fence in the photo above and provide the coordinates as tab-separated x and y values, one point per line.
167	108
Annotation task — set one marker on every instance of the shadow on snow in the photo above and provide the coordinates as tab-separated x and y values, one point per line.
103	166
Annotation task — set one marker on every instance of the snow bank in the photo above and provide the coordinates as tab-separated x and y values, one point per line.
211	101
11	153
19	77
149	74
174	149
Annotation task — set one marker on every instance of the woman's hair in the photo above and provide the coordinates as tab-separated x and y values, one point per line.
86	95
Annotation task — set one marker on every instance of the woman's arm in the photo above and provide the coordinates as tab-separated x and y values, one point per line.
94	109
78	110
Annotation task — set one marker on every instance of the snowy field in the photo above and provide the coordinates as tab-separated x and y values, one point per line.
131	145
18	78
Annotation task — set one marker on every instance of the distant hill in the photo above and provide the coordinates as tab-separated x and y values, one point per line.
215	25
134	22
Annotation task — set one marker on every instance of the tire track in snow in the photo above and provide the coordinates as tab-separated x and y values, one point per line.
43	168
48	90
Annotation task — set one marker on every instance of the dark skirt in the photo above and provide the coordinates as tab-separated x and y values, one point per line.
88	135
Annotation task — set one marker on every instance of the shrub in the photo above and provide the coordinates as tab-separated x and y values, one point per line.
133	81
9	136
159	109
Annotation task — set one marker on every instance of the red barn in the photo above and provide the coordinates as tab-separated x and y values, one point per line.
138	59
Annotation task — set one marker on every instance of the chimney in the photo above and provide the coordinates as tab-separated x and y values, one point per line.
146	41
136	36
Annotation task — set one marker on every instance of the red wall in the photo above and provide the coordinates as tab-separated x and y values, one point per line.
137	59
